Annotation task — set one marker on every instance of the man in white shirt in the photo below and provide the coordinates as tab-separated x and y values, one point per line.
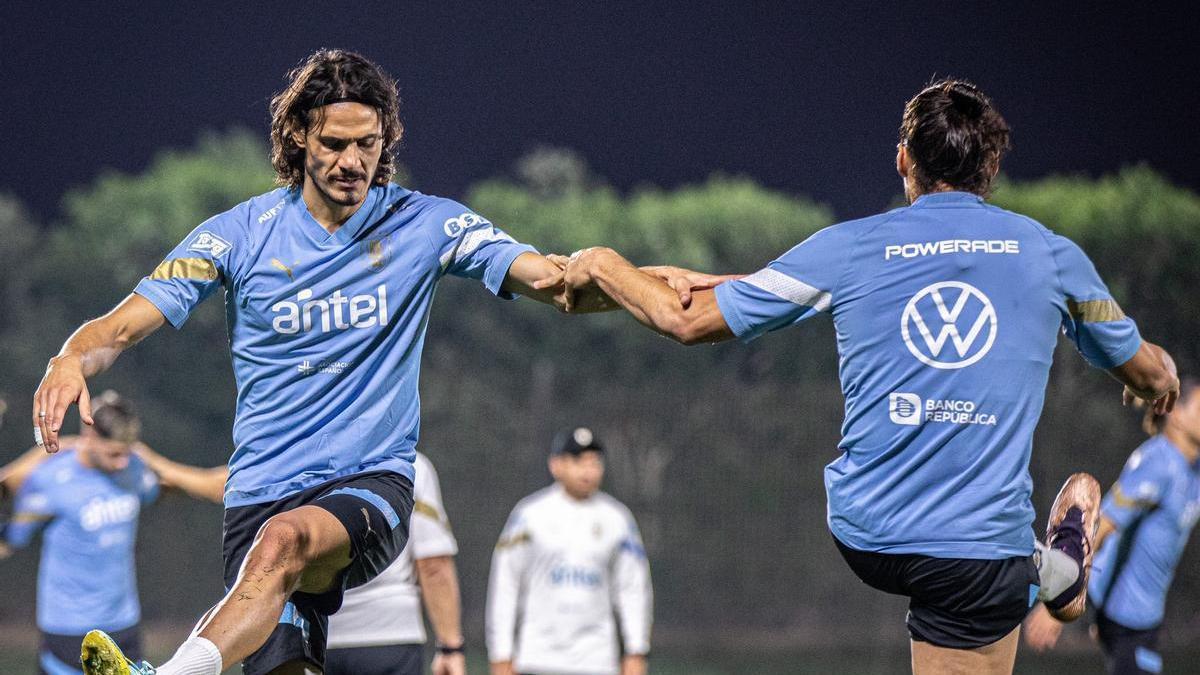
569	557
379	629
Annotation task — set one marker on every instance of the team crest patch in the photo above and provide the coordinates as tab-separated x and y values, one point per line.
209	243
378	252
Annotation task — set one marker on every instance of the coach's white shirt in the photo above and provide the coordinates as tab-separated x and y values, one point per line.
387	609
561	568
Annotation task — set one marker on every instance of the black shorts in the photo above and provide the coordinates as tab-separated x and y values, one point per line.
59	654
381	660
1128	651
374	507
958	603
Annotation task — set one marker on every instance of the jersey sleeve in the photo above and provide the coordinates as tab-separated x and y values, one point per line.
634	597
429	530
148	486
1092	319
1141	485
190	273
797	285
469	245
505	585
34	507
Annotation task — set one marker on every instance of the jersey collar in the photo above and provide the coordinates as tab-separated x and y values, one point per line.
349	230
944	199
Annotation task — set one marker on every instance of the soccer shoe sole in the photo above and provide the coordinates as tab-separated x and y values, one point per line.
101	656
1081	491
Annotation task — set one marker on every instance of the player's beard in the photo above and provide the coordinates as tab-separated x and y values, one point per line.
339	195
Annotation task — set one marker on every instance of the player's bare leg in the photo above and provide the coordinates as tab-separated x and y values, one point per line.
994	659
300	550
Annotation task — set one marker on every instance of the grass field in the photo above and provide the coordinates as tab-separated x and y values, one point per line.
20	660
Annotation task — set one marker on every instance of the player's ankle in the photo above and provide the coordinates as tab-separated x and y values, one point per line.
196	656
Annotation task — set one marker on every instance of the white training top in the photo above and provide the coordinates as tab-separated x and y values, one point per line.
561	568
387	609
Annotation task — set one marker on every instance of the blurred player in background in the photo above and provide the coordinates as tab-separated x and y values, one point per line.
1145	522
569	557
88	498
947	314
379	629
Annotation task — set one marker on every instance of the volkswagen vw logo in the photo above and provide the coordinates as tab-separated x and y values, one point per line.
949	325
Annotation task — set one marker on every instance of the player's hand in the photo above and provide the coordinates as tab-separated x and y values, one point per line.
633	664
5	550
685	281
503	668
62	385
449	664
578	272
1041	630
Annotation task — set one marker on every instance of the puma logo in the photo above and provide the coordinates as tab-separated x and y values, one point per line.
367	516
280	266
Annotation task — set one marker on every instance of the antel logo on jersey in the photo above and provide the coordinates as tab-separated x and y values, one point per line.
456	226
336	312
207	242
971	307
100	512
904	408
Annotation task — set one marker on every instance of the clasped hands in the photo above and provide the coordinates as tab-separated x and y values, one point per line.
577	273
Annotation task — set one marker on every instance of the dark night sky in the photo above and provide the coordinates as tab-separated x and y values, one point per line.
804	99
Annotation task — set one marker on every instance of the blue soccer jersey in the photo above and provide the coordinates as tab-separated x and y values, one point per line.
1154	505
326	329
946	313
86	578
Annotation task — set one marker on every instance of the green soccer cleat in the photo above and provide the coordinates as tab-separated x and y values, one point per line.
101	656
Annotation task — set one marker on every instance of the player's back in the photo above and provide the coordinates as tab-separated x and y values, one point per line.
947	317
947	313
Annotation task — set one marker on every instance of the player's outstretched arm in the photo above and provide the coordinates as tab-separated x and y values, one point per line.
647	297
89	351
539	277
194	481
13	474
1150	376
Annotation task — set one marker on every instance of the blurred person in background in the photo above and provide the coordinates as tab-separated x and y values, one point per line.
570	557
1145	522
88	498
379	629
947	313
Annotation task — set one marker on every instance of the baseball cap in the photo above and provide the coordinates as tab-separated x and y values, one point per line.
575	441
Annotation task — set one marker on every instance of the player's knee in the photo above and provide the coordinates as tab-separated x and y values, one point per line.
281	543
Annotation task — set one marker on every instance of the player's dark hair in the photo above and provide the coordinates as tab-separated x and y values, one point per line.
1154	424
114	418
955	137
331	76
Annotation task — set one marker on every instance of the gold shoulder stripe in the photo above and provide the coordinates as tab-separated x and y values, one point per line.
1123	501
1095	311
21	518
515	540
186	268
427	509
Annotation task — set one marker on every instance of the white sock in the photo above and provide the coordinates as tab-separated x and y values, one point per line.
196	656
1056	569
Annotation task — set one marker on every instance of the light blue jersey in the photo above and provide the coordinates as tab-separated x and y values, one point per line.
86	578
947	313
326	330
1154	505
